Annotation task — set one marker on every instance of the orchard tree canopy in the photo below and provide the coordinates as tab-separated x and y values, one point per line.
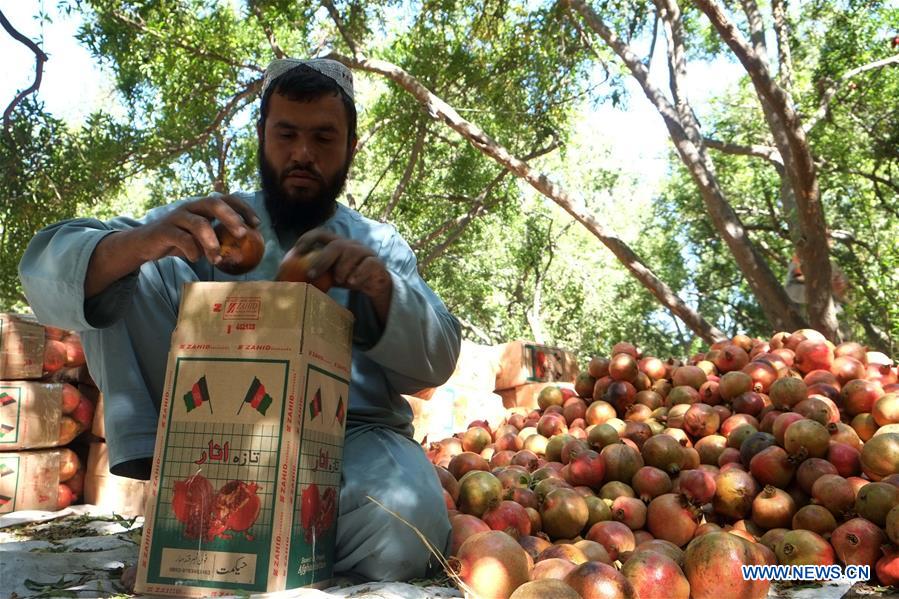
476	141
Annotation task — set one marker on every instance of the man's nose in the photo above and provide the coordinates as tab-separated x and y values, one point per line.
302	151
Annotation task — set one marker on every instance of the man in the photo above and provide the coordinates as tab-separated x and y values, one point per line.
119	284
795	283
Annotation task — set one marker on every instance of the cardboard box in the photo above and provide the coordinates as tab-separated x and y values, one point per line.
29	480
451	408
246	474
31	415
525	396
120	495
476	368
21	347
523	362
98	428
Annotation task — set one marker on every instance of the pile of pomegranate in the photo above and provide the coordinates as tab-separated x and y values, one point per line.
661	479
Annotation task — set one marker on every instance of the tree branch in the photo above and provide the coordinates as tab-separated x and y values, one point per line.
479	207
756	28
235	104
335	16
655	38
363	141
39	59
407	172
784	54
439	110
800	168
755	150
828	95
142	27
669	11
459	224
269	33
378	182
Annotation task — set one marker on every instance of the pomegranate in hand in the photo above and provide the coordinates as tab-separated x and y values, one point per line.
239	255
295	267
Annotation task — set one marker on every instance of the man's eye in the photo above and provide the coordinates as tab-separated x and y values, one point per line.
286	135
325	139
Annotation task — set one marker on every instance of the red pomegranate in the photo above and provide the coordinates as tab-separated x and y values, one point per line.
847	368
859	396
835	493
697	486
804	548
630	511
509	517
532	545
815	518
773	508
713	566
857	542
492	564
735	490
615	537
545	587
887	567
650	482
844	458
564	513
880	456
772	466
813	355
599	581
669	518
654	574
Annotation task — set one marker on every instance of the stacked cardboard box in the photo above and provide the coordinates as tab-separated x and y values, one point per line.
120	495
42	411
468	395
526	368
488	380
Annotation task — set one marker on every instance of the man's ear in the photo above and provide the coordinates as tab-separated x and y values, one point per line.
353	144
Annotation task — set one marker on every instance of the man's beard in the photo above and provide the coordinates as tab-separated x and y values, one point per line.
299	211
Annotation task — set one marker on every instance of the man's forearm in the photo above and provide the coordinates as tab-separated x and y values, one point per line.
116	256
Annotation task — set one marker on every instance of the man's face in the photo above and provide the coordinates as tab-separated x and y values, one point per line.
304	158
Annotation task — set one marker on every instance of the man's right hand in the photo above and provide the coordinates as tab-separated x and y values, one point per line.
185	232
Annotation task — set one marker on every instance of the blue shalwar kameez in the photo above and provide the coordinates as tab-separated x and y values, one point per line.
126	333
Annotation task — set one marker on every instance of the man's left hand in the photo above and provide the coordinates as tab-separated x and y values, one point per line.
354	266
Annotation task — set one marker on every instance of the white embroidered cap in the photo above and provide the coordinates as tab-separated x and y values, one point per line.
327	67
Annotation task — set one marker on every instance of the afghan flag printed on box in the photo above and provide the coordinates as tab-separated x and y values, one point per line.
340	414
5	428
257	397
6	470
6	399
315	406
198	395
